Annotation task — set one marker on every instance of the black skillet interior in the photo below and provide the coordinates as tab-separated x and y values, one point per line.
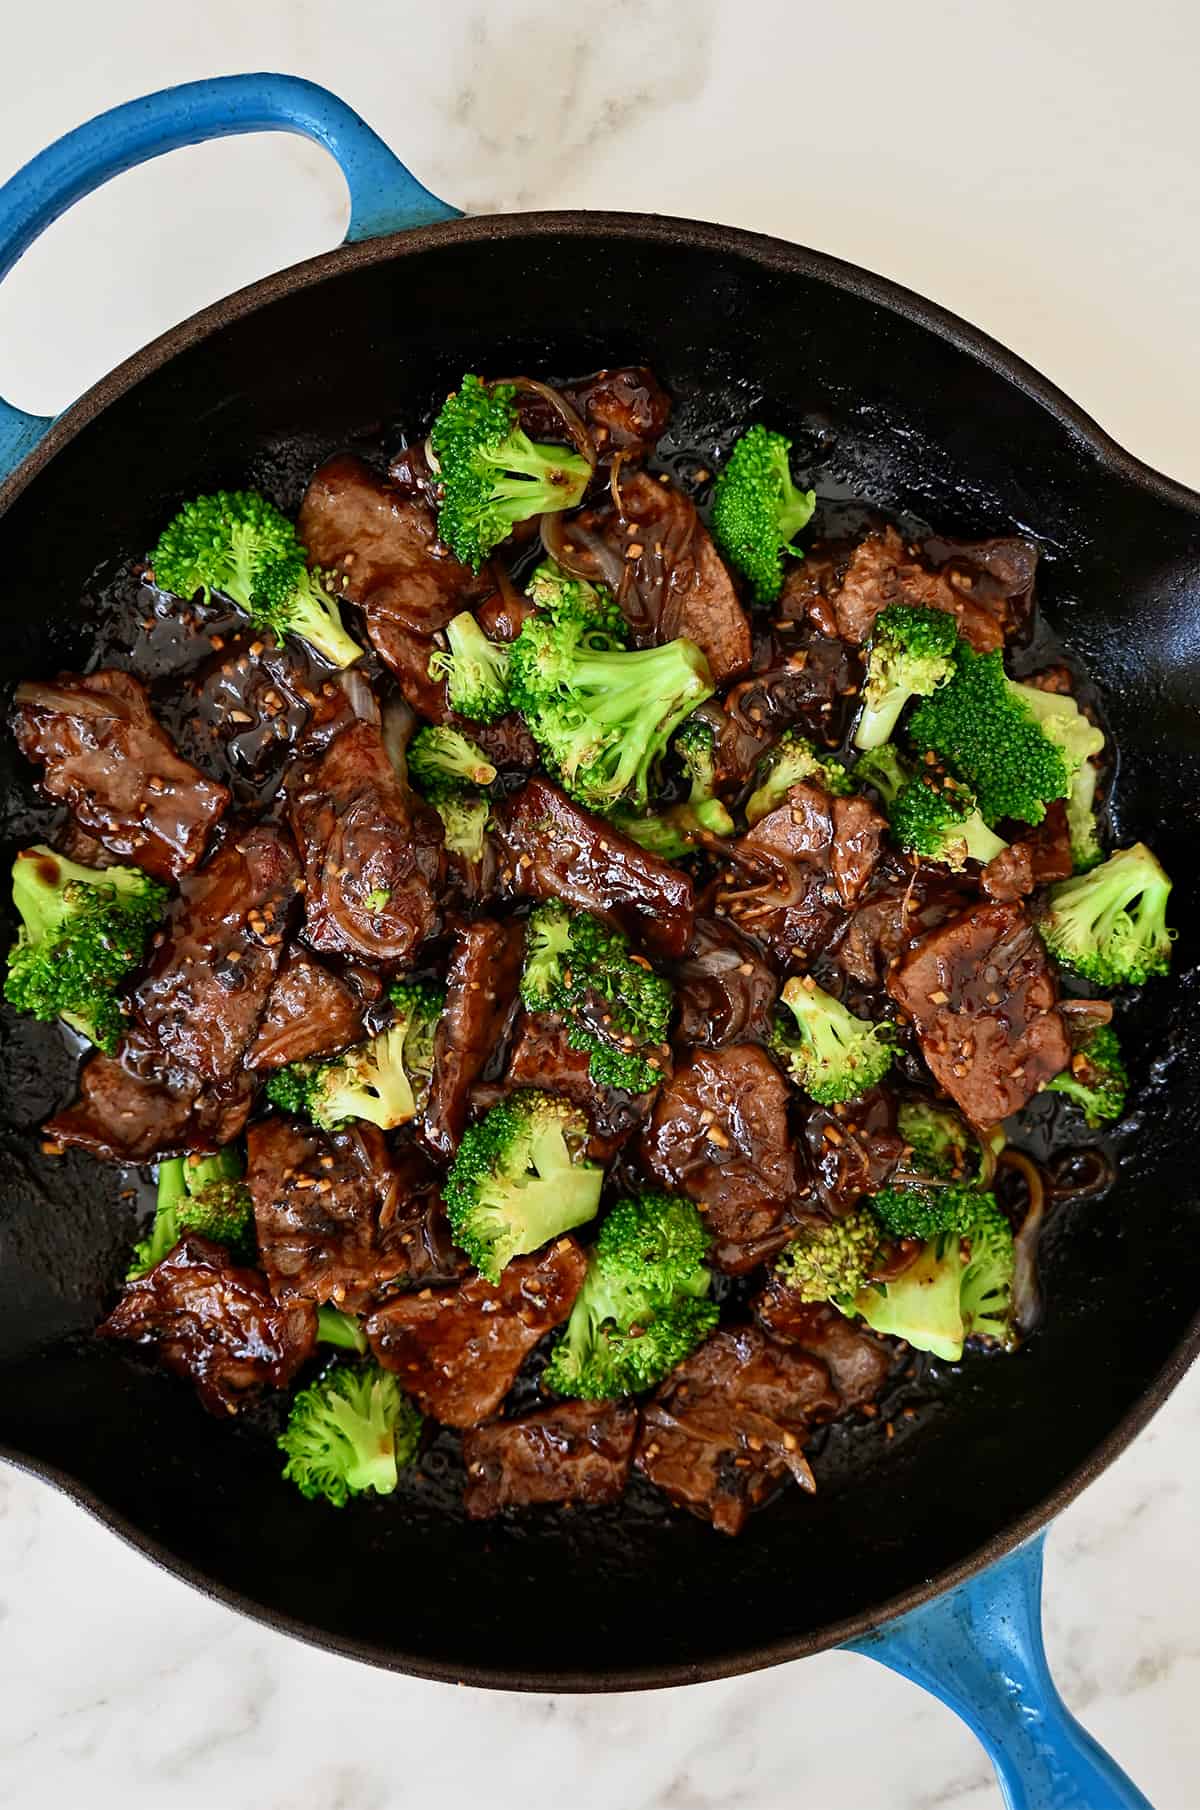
886	409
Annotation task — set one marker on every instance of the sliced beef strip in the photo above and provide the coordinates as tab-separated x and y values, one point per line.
800	677
984	1000
672	580
800	869
853	1148
724	990
1009	875
309	1012
719	1134
104	753
216	958
215	1324
133	1109
857	1361
340	1219
573	1452
557	850
381	541
986	586
457	1351
902	902
481	991
542	1057
370	868
1048	845
626	409
730	1423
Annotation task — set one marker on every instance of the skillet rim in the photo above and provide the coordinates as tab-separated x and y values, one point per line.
773	254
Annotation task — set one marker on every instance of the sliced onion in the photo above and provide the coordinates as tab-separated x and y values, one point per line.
580	551
1083	1015
570	417
359	695
93	705
399	721
1026	1295
1093	1173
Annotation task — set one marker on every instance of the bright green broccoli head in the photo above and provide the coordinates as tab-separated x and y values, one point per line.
237	542
442	761
696	746
83	931
492	475
757	510
1097	1079
475	670
558	593
831	1054
925	1209
203	1194
384	1080
791	760
348	1433
911	654
982	727
602	716
1111	924
885	770
520	1179
832	1262
935	816
959	1287
643	1307
614	1004
942	1148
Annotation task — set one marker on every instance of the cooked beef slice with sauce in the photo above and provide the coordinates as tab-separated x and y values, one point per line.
574	1452
542	1057
800	869
724	990
134	1108
626	410
730	1422
309	1012
557	850
339	1218
103	753
371	864
214	1323
986	585
984	998
903	900
799	678
215	960
719	1134
669	579
458	1350
858	1362
481	991
853	1147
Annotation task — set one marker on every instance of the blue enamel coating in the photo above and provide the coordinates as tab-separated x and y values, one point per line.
979	1648
385	197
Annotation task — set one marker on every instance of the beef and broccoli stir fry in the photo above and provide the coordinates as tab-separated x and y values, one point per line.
540	932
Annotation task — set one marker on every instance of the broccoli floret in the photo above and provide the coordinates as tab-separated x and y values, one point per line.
519	1179
492	474
559	593
835	1056
642	1309
1078	740
984	728
792	759
349	1432
942	1147
615	1006
923	1210
464	824
442	761
911	654
202	1194
935	816
337	1328
661	833
884	769
238	543
1097	1079
959	1287
757	510
384	1081
602	716
696	745
833	1263
83	930
475	670
1111	924
1084	832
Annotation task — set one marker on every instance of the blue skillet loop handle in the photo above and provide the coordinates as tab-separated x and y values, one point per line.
979	1648
385	197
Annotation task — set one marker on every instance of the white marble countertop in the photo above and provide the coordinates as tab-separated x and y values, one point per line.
1034	169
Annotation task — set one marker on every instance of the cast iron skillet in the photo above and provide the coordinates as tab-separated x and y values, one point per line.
893	400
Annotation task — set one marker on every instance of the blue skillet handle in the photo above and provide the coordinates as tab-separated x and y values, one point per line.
979	1648
385	197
